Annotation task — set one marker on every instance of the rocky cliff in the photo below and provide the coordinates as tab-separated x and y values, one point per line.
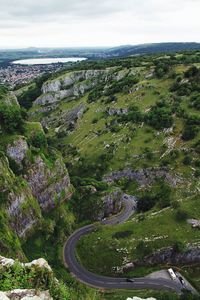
33	180
172	257
73	85
144	177
24	281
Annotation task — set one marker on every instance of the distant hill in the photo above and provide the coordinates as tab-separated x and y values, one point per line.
6	56
128	50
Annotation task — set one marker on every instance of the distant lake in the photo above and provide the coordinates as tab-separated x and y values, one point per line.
47	61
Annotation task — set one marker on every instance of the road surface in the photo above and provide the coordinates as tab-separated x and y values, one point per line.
104	282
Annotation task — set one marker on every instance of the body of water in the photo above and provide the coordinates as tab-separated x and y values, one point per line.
47	61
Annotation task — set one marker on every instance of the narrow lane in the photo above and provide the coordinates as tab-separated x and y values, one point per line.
99	281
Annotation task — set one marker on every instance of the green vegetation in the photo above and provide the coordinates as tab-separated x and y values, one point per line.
142	116
19	277
11	118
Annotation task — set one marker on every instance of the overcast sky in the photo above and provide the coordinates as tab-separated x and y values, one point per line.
68	23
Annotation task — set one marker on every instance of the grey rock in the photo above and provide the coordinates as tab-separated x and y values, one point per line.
23	210
17	150
144	177
49	186
117	111
110	204
169	256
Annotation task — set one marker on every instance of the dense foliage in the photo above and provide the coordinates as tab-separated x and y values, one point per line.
11	117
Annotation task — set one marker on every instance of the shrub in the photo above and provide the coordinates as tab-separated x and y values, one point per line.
38	140
159	117
181	215
190	132
187	160
11	117
122	234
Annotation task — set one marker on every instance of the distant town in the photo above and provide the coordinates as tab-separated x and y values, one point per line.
16	75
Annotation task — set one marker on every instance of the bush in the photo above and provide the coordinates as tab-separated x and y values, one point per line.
11	117
192	72
181	215
38	140
159	117
161	195
122	234
187	160
190	132
146	203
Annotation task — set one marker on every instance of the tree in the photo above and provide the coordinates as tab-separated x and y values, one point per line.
181	215
164	195
190	132
39	140
159	117
11	117
192	72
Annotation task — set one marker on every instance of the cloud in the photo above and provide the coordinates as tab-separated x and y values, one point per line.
94	22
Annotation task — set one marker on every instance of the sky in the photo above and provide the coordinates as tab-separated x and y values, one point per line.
88	23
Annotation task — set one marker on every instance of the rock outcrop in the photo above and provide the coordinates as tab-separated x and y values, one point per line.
73	84
65	118
50	186
117	111
111	203
25	295
171	257
144	177
17	150
41	263
22	208
40	188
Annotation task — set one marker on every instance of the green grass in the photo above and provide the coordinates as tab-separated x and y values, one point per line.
91	138
157	230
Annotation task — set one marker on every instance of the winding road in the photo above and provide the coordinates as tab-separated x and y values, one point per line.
104	282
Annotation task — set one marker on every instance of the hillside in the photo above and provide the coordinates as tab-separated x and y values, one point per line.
122	127
133	126
7	56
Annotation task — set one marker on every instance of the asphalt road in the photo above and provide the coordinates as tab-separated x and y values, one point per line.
104	282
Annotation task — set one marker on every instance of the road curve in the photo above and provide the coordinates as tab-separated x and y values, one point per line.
104	282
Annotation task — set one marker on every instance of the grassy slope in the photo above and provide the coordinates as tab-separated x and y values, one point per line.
101	246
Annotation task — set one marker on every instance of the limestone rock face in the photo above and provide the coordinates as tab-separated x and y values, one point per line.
17	150
22	208
49	186
41	262
144	177
169	256
25	295
117	111
66	117
72	85
110	204
40	188
69	79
